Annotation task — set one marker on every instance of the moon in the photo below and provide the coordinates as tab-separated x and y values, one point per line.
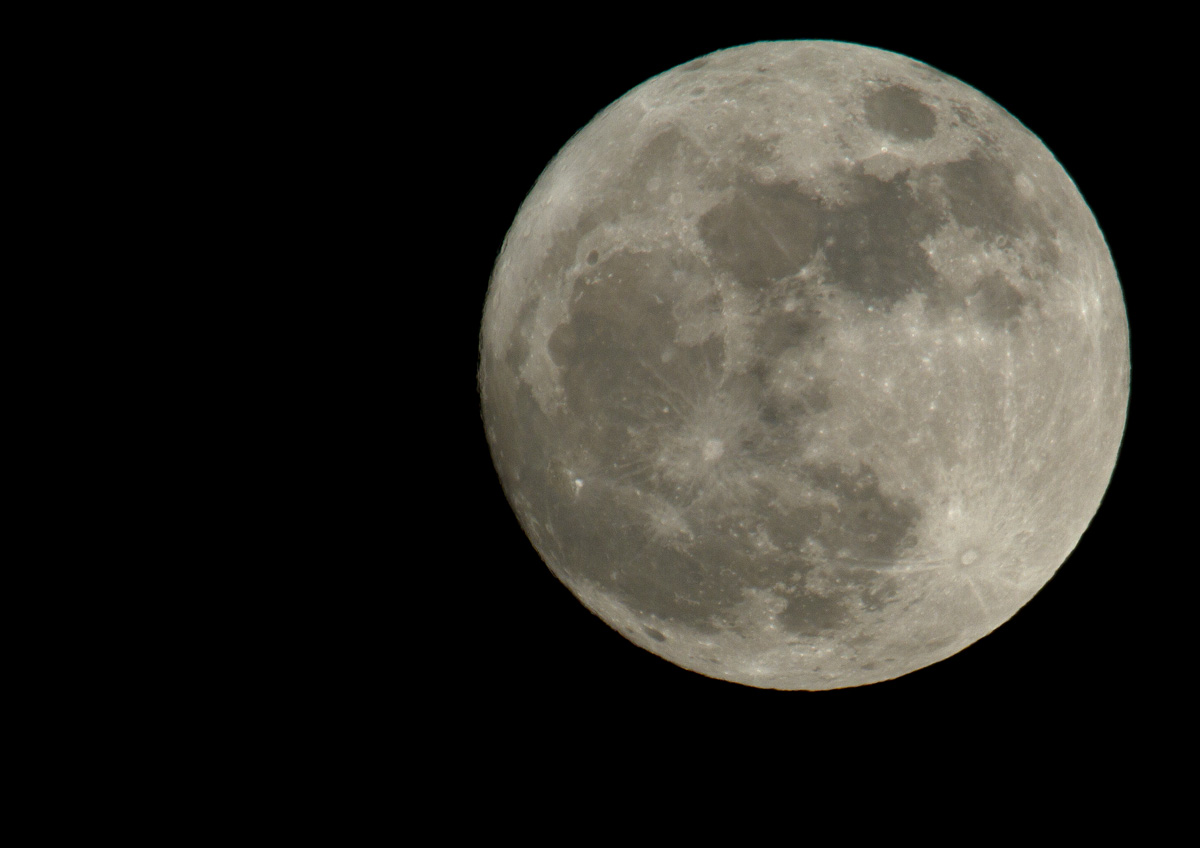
804	365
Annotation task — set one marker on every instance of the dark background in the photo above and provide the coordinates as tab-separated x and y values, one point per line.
535	659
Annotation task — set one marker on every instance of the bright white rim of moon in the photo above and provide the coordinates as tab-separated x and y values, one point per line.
804	365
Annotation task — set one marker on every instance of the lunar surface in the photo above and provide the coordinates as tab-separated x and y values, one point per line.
804	365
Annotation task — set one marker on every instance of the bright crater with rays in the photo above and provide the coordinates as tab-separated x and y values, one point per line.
804	365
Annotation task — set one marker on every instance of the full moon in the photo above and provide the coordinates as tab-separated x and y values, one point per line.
804	365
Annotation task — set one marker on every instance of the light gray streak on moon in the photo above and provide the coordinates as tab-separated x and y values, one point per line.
804	365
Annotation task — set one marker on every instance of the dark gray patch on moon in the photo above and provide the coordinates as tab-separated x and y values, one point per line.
780	331
982	194
873	242
670	585
762	233
810	614
618	351
898	111
871	527
996	300
757	150
782	410
872	239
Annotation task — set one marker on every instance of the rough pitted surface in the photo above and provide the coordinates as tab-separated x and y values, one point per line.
804	365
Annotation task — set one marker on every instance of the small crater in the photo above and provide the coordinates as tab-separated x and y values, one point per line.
695	65
940	643
966	116
764	174
879	594
969	557
593	258
654	634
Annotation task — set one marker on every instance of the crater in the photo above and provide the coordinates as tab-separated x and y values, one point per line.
879	593
940	643
654	634
898	111
966	116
